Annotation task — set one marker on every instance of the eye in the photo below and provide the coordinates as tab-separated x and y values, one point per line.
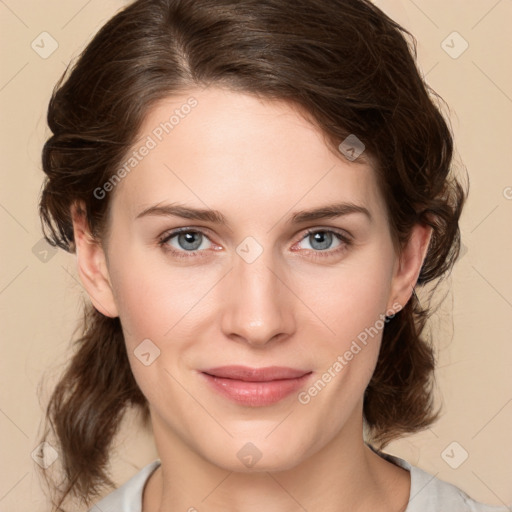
182	241
187	242
321	240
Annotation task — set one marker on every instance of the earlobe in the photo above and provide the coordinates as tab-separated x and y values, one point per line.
92	265
409	265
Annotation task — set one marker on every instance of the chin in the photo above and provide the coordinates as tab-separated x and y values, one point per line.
256	456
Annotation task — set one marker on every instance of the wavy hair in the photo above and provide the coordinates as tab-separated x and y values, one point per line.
351	70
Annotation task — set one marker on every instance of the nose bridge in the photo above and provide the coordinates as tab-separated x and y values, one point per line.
258	307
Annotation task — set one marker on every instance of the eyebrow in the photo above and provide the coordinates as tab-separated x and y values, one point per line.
215	217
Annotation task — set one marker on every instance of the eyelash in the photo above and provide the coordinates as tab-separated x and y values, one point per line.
345	240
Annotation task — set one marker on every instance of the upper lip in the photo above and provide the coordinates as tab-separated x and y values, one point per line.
248	374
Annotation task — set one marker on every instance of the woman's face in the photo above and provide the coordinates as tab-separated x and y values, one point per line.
254	291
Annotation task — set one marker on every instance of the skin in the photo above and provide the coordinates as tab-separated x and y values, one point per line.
257	162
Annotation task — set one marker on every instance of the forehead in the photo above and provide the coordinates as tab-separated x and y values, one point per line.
239	154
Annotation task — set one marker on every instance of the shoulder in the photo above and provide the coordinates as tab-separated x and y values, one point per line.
127	497
430	494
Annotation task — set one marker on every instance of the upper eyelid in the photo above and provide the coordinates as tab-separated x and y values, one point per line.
338	231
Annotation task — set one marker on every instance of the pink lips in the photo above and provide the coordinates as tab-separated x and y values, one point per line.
255	386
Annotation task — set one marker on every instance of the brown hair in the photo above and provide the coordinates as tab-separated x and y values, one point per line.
351	69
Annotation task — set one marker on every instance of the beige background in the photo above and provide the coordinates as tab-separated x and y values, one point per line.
40	298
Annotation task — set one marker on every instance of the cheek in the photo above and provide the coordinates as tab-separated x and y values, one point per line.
156	307
351	298
352	304
151	296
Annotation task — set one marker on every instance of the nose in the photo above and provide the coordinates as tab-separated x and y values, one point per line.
258	308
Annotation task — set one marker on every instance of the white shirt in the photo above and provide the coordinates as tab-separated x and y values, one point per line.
427	493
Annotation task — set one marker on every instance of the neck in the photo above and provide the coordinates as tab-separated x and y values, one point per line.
344	475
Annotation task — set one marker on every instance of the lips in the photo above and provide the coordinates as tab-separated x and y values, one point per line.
255	386
248	374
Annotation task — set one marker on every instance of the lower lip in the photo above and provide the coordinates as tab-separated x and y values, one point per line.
256	394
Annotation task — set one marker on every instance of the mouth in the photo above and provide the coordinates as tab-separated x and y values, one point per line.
255	387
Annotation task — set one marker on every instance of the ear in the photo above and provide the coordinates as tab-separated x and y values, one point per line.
92	264
408	266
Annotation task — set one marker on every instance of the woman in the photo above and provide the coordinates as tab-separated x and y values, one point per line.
253	191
